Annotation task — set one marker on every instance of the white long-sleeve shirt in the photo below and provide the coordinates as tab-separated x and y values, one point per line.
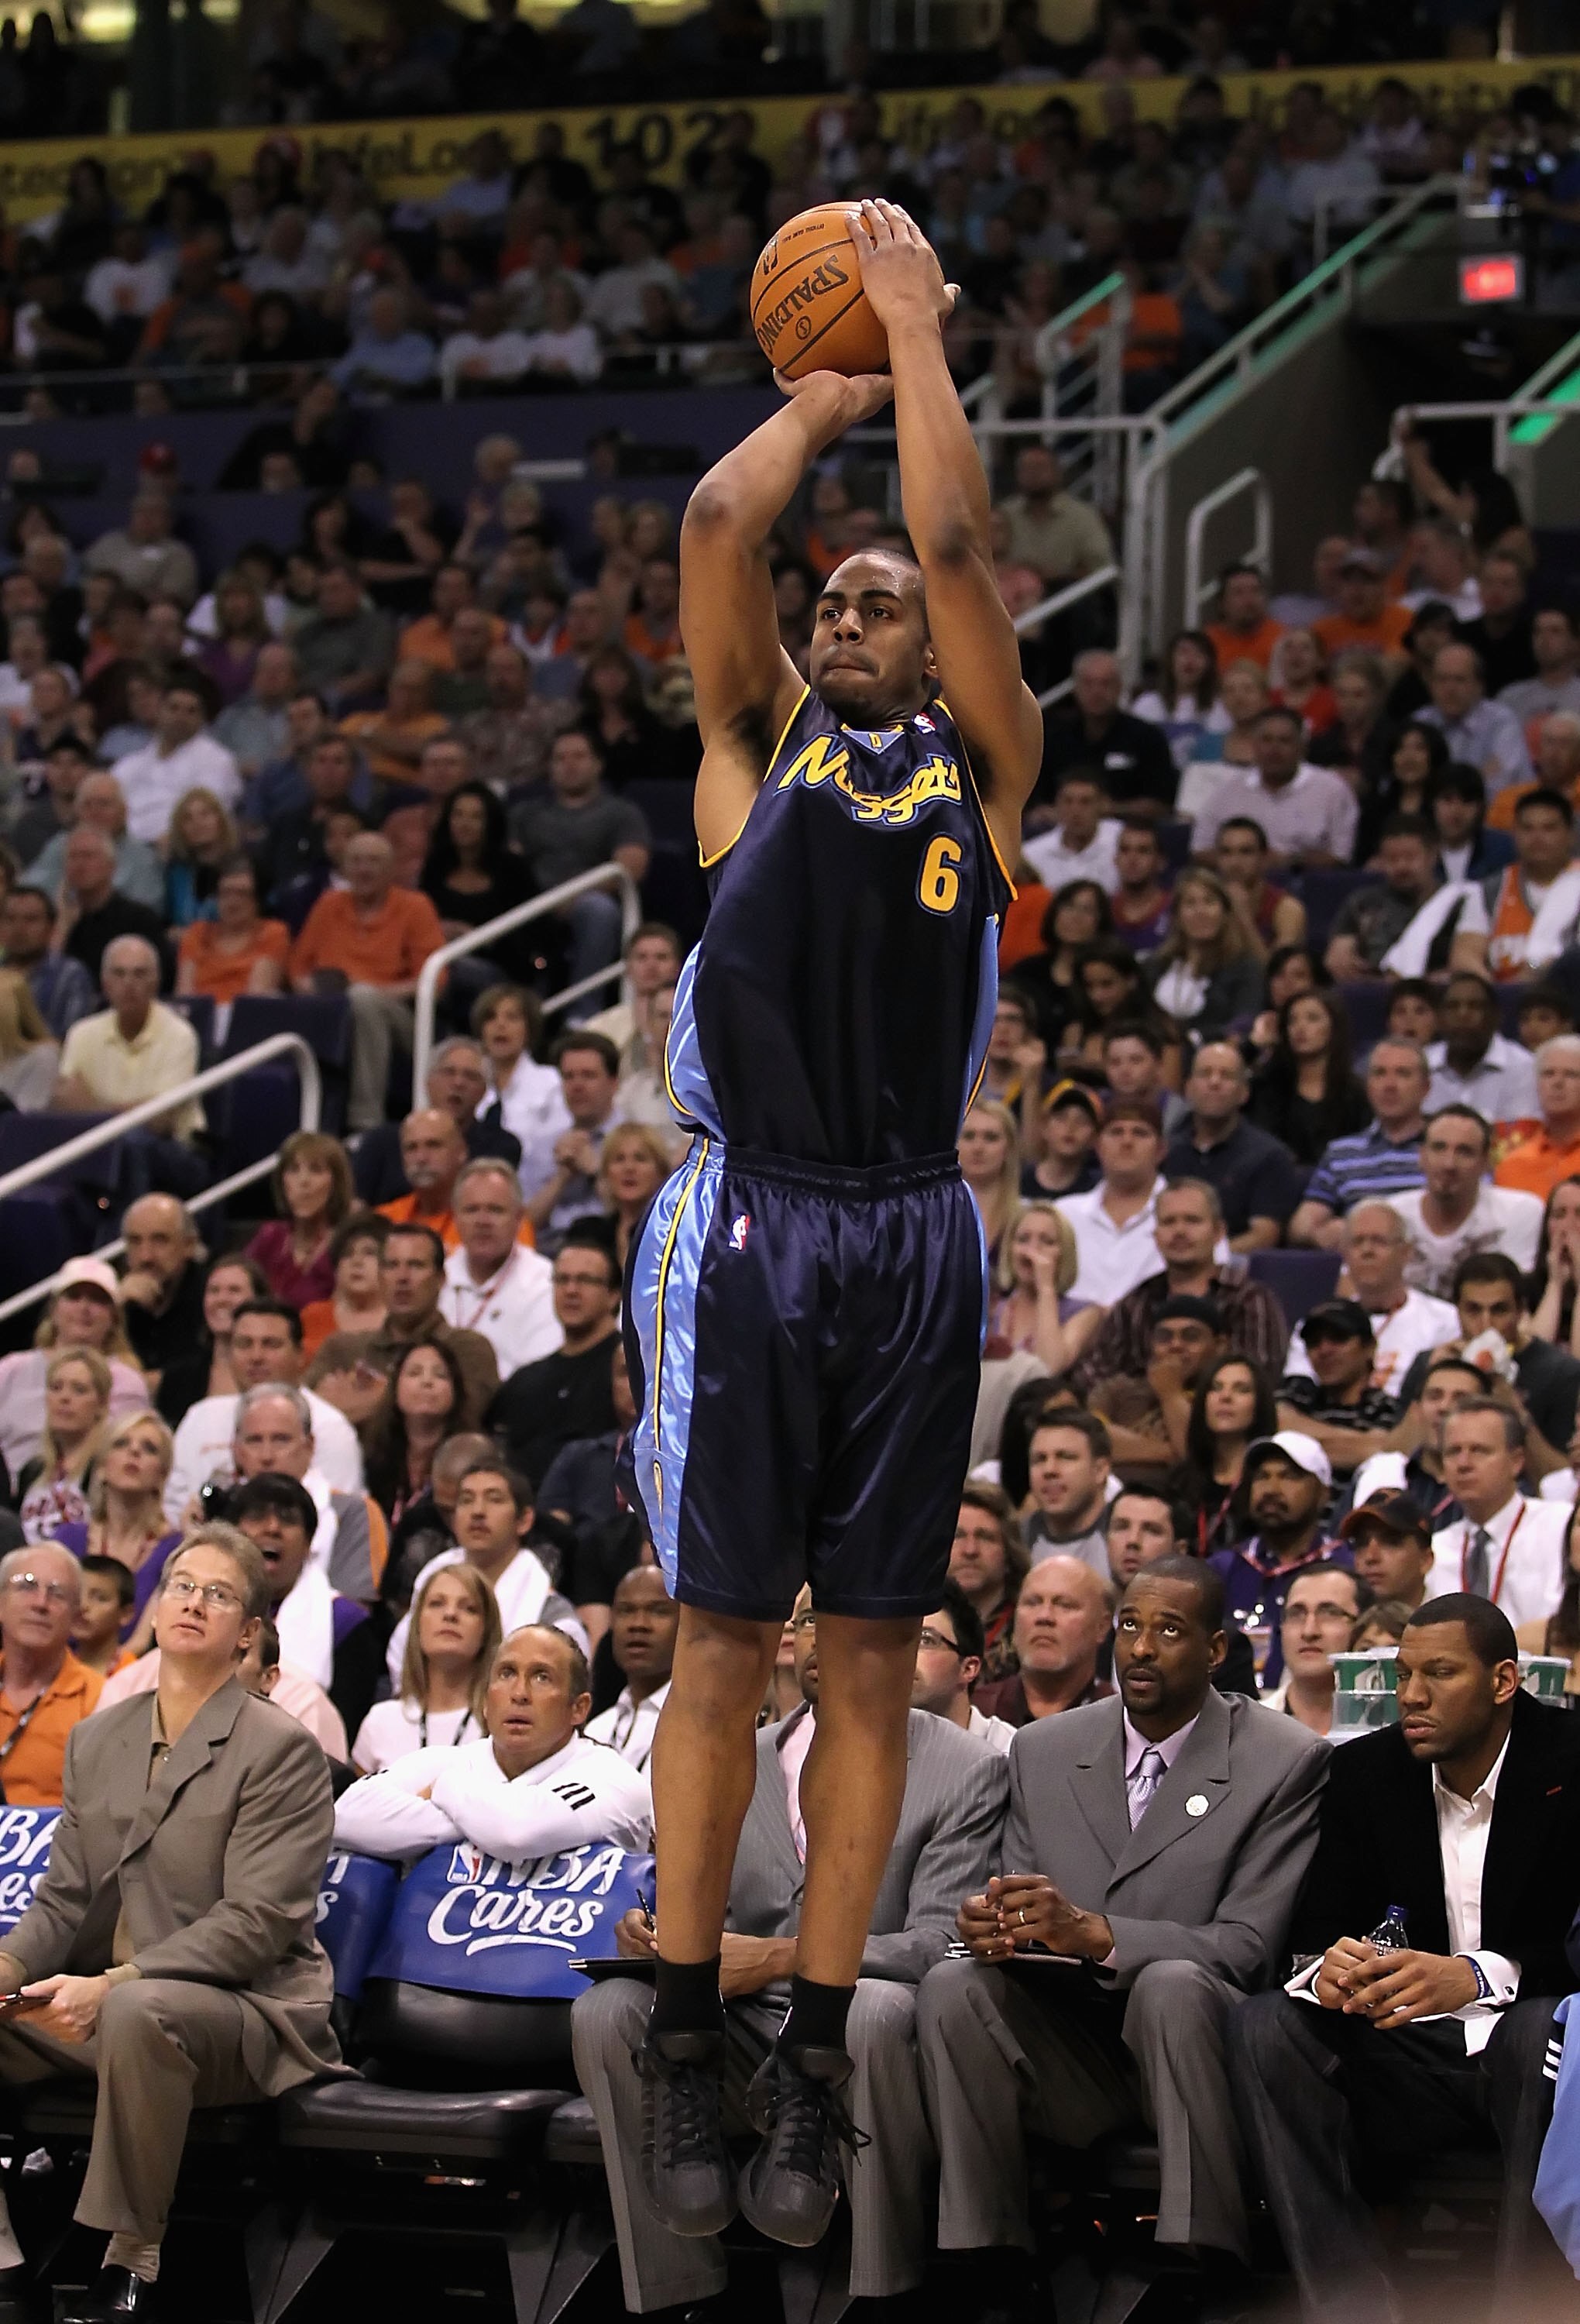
585	1791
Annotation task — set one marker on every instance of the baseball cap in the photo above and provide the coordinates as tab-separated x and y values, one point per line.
1297	1446
1186	1307
1337	1319
1394	1512
89	1274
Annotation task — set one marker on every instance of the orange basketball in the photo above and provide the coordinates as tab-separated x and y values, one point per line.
808	308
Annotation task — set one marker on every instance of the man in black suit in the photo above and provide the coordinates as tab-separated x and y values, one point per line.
1467	1817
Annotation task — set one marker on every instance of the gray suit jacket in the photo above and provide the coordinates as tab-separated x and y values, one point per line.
1218	1885
216	1864
943	1851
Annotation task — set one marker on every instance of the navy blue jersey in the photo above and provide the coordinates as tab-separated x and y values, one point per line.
837	1006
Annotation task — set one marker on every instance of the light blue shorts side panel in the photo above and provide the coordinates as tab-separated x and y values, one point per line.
665	1274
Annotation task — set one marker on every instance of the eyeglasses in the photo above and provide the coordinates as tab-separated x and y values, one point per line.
937	1638
29	1585
214	1594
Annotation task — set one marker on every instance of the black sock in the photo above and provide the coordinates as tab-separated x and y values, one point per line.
688	1999
817	2016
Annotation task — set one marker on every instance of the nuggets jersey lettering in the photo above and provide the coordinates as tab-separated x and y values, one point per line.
1512	917
837	1006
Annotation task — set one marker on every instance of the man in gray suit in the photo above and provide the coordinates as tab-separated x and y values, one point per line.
1156	1843
169	1951
947	1842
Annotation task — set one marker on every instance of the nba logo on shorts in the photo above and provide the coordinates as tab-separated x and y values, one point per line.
738	1230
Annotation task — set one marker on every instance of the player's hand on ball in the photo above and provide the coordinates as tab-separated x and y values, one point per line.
858	397
900	272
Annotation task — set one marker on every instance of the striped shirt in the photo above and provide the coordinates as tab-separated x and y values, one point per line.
1254	1326
1365	1169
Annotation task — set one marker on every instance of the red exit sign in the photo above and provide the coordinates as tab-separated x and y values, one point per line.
1491	281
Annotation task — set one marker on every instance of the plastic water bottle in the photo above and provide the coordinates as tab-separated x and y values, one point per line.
1389	1936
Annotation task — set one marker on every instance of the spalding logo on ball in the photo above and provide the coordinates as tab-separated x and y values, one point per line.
808	308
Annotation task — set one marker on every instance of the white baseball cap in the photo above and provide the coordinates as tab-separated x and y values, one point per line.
88	1274
1297	1446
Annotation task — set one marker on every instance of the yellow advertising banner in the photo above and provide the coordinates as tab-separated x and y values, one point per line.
415	159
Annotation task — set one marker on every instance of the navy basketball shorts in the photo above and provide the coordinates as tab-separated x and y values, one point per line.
806	1351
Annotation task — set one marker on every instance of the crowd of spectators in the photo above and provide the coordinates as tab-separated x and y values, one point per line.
294	286
391	1421
293	64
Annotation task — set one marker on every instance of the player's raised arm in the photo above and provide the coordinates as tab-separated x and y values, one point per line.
947	507
746	684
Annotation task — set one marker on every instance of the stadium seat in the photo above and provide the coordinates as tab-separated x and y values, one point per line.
1298	1279
1365	1006
667	807
198	1009
1510	997
1323	892
1174	838
388	2156
224	2183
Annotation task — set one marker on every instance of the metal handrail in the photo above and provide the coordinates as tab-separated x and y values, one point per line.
1087	586
88	1141
1238	355
1559	377
536	907
1243	480
171	1101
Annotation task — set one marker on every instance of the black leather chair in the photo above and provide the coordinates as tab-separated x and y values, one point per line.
228	2174
391	2155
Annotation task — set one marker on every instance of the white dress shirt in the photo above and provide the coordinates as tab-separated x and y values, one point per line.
208	1431
628	1726
1464	1828
1112	1259
584	1792
1404	1332
533	1109
1501	1088
152	781
1056	862
1525	1559
996	1733
513	1309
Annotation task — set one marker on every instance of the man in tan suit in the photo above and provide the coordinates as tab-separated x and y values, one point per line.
171	1951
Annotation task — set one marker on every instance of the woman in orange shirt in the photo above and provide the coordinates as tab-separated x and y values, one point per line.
238	951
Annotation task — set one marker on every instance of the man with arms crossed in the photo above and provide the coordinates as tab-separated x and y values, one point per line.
805	1304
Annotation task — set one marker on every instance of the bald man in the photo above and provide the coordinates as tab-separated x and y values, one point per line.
433	1154
135	1049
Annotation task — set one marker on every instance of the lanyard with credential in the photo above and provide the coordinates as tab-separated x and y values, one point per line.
1497	1589
19	1730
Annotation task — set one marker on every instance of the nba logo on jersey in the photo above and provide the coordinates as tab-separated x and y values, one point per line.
923	723
740	1228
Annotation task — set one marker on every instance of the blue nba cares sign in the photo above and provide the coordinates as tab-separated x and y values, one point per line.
25	1834
471	1922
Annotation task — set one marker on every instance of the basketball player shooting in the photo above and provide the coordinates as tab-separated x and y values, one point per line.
805	1300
